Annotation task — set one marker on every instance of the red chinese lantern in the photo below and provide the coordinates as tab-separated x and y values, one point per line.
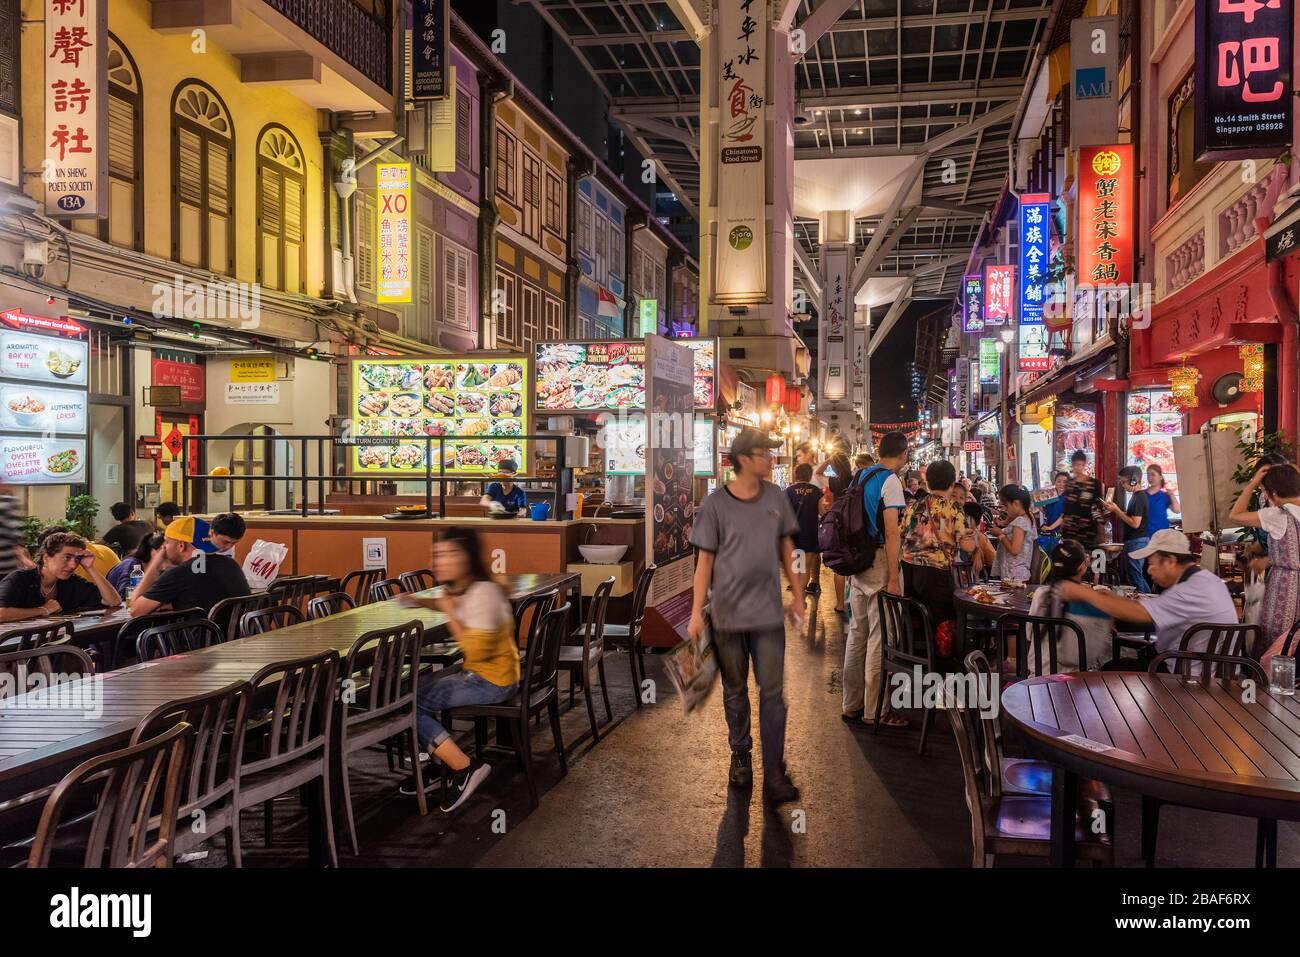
775	390
793	401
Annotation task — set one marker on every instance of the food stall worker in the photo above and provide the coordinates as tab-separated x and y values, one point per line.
52	586
505	495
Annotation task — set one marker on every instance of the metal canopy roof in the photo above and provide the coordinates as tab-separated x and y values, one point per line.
881	78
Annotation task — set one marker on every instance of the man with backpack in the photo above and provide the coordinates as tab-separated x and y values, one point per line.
882	502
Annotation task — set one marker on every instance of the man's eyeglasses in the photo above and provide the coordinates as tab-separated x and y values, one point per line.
766	453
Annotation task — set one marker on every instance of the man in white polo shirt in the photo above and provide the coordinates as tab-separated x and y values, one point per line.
1191	595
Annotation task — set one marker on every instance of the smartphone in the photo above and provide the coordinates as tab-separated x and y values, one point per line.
1110	494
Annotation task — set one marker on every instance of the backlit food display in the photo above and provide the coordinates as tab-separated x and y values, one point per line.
43	400
1153	422
42	358
1074	427
25	408
40	461
625	447
482	400
610	375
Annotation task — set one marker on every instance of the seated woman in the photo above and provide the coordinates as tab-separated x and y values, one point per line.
985	552
1070	563
120	576
483	624
52	586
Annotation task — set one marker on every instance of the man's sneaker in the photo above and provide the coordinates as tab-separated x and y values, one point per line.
813	589
742	772
463	784
432	781
780	789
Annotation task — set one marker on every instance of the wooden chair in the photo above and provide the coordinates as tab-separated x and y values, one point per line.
219	719
906	641
418	580
226	613
537	693
323	606
383	666
1288	646
630	634
577	661
269	619
295	750
124	786
1231	639
1224	666
299	590
358	584
48	661
1010	824
1036	639
963	575
29	638
177	638
386	589
130	631
529	614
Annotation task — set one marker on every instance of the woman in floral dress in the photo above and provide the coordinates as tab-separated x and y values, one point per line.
1281	520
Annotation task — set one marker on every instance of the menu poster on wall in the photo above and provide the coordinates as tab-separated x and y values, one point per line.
1244	85
35	460
484	403
1153	424
75	170
1074	427
33	409
609	374
43	361
626	441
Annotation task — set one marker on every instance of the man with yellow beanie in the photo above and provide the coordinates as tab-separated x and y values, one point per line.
199	577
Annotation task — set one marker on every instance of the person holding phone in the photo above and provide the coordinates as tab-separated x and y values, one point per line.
52	587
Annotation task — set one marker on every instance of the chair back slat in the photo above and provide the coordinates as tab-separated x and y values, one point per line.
642	593
1231	639
34	637
1224	666
386	589
322	606
302	708
385	664
227	613
269	619
593	632
125	787
541	658
907	636
529	614
357	584
963	575
177	638
1037	640
49	662
418	580
300	589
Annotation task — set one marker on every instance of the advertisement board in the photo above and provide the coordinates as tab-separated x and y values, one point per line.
606	375
999	295
625	443
1152	424
393	231
43	413
75	58
482	398
1034	234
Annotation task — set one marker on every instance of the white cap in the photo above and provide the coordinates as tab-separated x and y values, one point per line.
1168	540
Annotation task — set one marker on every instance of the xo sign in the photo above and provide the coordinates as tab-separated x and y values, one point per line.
395	203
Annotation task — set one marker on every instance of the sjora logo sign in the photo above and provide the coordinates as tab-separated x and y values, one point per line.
75	910
741	237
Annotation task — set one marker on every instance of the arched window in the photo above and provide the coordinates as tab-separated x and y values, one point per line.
124	224
203	179
281	201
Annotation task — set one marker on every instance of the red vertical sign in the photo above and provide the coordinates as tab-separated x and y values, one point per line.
1106	215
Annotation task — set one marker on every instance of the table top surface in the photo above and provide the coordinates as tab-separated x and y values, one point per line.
1210	733
82	623
41	740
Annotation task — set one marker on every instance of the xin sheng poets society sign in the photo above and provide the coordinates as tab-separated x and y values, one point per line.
75	168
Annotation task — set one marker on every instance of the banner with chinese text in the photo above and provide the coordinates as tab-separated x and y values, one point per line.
972	316
75	171
1106	215
1034	208
999	295
836	322
393	185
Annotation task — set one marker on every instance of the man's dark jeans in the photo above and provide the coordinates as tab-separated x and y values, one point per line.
767	649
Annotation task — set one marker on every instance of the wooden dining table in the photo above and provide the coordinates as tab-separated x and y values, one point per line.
39	743
1209	743
87	628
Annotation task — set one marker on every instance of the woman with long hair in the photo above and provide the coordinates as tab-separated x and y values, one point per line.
1280	519
1070	563
483	625
120	575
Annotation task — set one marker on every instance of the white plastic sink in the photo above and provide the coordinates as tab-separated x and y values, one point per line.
602	554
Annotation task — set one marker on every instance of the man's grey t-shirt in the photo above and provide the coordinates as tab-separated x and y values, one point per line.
745	538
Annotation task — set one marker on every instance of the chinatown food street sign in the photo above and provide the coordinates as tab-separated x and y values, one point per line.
1106	215
393	225
1244	79
75	170
999	295
740	257
972	316
1034	208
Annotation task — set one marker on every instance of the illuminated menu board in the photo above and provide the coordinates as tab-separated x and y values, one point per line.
43	400
625	446
482	400
608	375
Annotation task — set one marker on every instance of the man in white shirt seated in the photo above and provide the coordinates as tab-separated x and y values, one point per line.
1191	595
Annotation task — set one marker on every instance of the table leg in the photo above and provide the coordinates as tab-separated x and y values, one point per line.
1065	799
316	855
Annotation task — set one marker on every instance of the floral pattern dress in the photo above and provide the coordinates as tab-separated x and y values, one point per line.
1281	607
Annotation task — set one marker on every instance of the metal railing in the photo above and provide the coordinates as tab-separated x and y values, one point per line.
562	480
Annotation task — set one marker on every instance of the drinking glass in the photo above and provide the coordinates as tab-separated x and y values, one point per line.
1282	675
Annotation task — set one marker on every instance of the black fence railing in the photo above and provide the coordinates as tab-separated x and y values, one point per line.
361	37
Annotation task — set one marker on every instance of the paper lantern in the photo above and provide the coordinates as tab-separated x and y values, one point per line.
1252	368
1182	382
774	390
793	401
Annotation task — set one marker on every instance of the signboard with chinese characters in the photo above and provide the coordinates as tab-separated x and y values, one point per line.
1106	214
859	369
972	316
836	325
1244	79
990	360
43	394
252	393
999	295
189	376
952	393
740	29
75	171
1034	209
253	369
393	242
429	24
609	374
1094	92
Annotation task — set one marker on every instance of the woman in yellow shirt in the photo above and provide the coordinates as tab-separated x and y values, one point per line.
483	624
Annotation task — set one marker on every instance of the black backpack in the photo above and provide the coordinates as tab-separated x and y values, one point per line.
846	542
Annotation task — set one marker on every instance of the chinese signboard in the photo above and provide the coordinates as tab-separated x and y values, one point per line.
952	393
609	374
43	400
1243	78
999	293
398	402
972	316
189	376
393	184
1094	66
740	260
253	369
429	49
76	108
1034	208
990	360
1106	208
836	325
252	393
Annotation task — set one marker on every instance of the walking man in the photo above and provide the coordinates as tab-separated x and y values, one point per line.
884	501
737	531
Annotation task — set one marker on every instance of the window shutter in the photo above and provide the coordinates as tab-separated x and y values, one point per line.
121	137
189	175
365	272
464	156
